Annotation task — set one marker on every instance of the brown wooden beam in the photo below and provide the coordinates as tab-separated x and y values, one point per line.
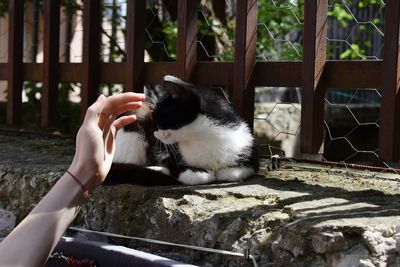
90	53
136	19
33	72
352	74
313	88
337	73
70	72
213	73
389	131
245	59
15	76
278	74
3	71
51	41
109	72
186	46
155	71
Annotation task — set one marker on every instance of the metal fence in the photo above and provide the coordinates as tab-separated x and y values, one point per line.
241	68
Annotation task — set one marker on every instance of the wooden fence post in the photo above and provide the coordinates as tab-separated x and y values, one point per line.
136	20
15	75
245	59
186	47
313	89
389	131
51	41
91	53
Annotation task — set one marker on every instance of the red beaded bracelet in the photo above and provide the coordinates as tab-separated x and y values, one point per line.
86	192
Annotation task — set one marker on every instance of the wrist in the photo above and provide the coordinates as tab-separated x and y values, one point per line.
87	175
86	192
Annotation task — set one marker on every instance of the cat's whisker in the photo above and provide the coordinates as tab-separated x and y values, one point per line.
166	148
152	139
174	148
151	96
174	152
159	145
170	151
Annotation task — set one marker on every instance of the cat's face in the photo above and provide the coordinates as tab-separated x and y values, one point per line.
175	112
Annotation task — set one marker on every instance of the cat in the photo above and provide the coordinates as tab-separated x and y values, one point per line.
190	135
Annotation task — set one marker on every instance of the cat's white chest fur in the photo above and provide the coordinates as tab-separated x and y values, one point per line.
130	147
210	146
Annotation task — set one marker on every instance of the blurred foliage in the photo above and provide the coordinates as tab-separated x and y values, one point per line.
3	7
340	11
171	30
280	29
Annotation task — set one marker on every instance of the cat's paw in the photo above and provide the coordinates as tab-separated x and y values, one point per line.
190	177
234	174
161	169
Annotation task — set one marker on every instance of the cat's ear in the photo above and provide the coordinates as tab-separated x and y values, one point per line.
172	88
173	85
178	88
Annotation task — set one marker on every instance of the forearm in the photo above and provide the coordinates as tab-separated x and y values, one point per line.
30	243
43	227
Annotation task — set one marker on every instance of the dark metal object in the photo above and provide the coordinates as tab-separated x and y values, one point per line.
245	254
276	162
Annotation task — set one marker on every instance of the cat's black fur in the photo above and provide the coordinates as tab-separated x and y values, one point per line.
180	108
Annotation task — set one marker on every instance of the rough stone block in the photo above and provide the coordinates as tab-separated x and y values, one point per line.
7	222
329	242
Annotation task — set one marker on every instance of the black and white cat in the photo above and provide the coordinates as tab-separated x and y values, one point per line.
191	133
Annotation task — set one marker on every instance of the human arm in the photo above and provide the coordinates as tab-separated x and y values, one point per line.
31	242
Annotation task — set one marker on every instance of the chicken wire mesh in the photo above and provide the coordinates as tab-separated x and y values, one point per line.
32	53
355	32
279	33
278	109
216	31
71	31
161	30
70	51
3	39
113	31
33	32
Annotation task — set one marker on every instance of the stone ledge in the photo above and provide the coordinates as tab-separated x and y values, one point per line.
302	215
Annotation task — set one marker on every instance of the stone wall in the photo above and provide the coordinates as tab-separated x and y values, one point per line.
301	215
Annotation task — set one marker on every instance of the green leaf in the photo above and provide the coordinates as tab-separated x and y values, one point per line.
345	54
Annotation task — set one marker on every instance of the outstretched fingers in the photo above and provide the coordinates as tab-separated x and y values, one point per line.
127	107
104	111
111	129
95	109
124	120
105	120
115	102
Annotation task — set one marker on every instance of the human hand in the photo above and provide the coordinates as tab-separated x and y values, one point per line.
95	141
